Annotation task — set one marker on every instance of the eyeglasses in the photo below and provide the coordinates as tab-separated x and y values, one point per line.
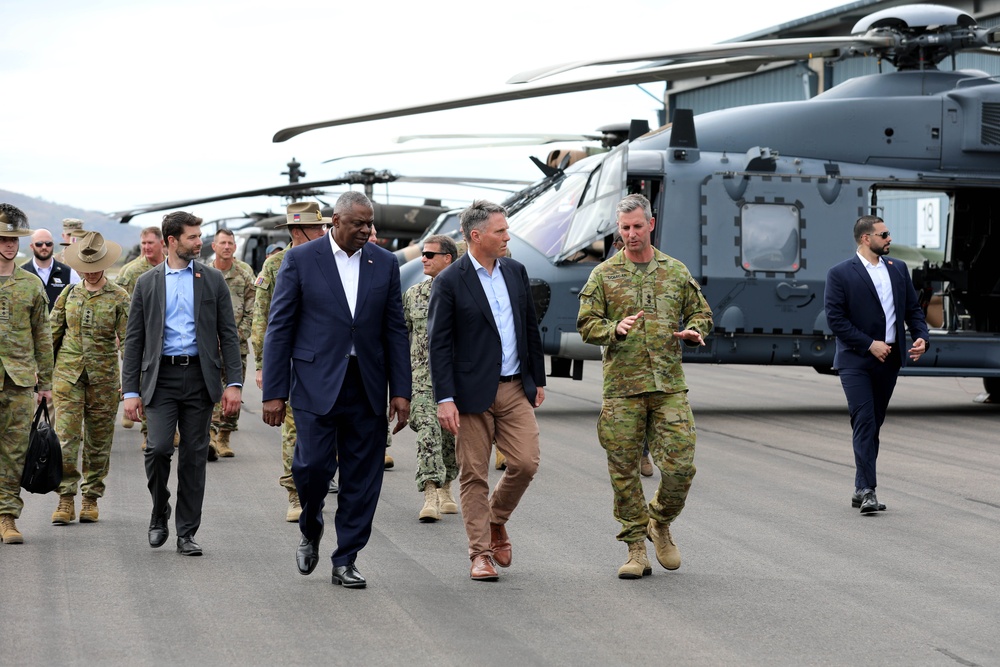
430	255
882	235
47	244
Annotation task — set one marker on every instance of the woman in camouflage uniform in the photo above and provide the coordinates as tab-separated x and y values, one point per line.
88	322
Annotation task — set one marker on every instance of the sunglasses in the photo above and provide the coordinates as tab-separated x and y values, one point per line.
882	235
430	255
46	244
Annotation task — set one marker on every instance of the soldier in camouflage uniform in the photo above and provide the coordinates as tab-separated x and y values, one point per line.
72	231
88	320
240	280
640	304
305	223
151	254
25	359
436	464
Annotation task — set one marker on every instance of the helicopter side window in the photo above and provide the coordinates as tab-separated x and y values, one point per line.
770	237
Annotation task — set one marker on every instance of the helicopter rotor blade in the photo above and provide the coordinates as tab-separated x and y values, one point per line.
775	49
428	149
543	138
664	73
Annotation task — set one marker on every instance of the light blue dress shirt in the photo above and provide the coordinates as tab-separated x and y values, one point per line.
179	329
496	293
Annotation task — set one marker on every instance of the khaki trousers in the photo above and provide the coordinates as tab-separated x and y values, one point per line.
510	422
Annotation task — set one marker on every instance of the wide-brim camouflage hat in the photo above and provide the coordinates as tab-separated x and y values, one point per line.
93	253
304	213
13	221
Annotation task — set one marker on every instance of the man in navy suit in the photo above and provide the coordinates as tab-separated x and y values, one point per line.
335	341
488	375
868	300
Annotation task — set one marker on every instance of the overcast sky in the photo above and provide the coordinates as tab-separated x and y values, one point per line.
109	104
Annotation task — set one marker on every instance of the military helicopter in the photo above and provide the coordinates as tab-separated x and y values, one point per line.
758	201
398	224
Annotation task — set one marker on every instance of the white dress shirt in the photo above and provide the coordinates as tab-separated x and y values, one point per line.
879	274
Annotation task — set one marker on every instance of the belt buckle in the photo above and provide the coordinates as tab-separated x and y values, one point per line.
182	360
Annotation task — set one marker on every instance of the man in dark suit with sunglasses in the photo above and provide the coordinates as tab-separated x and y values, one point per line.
869	298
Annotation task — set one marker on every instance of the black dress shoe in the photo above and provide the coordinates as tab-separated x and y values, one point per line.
869	503
348	576
158	531
307	554
858	496
186	546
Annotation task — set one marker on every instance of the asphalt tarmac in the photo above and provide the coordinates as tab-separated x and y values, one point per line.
778	569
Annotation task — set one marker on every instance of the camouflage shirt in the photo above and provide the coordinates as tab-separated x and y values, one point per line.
86	329
131	272
262	304
415	301
26	347
240	280
649	357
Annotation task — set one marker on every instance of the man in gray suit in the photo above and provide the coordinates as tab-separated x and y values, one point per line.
180	320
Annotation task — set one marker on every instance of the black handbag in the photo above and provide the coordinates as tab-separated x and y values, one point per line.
43	466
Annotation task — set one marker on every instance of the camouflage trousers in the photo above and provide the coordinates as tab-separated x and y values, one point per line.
287	450
666	422
435	446
17	407
219	421
85	414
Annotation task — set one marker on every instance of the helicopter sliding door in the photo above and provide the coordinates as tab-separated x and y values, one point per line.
767	242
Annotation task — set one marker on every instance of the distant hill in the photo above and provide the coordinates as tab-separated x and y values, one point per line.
49	215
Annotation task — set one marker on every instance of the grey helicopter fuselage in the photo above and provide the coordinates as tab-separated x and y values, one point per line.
759	202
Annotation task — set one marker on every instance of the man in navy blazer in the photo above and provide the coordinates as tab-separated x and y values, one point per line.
335	342
488	375
868	301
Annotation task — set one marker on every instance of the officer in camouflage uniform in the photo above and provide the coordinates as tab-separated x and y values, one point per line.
240	280
640	304
151	254
436	464
25	358
87	322
305	223
72	231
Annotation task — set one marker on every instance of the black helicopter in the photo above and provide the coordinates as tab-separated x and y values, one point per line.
397	224
758	201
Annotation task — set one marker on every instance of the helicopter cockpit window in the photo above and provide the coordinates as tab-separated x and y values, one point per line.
544	222
770	237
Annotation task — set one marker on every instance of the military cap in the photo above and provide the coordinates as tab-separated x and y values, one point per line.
92	254
13	221
69	224
304	213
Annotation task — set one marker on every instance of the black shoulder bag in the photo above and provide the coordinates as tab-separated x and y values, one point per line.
43	466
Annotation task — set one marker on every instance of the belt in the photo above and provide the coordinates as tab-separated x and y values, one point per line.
179	360
510	378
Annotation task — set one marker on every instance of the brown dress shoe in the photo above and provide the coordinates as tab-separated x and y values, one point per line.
500	543
482	569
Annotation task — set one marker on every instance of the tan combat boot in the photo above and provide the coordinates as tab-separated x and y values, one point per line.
126	422
294	507
637	566
388	462
88	510
446	502
8	530
66	511
143	442
430	512
501	463
222	444
667	552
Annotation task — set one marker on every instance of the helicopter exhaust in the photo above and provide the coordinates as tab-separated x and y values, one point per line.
683	139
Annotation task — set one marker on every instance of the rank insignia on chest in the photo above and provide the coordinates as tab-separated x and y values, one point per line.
87	317
4	309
